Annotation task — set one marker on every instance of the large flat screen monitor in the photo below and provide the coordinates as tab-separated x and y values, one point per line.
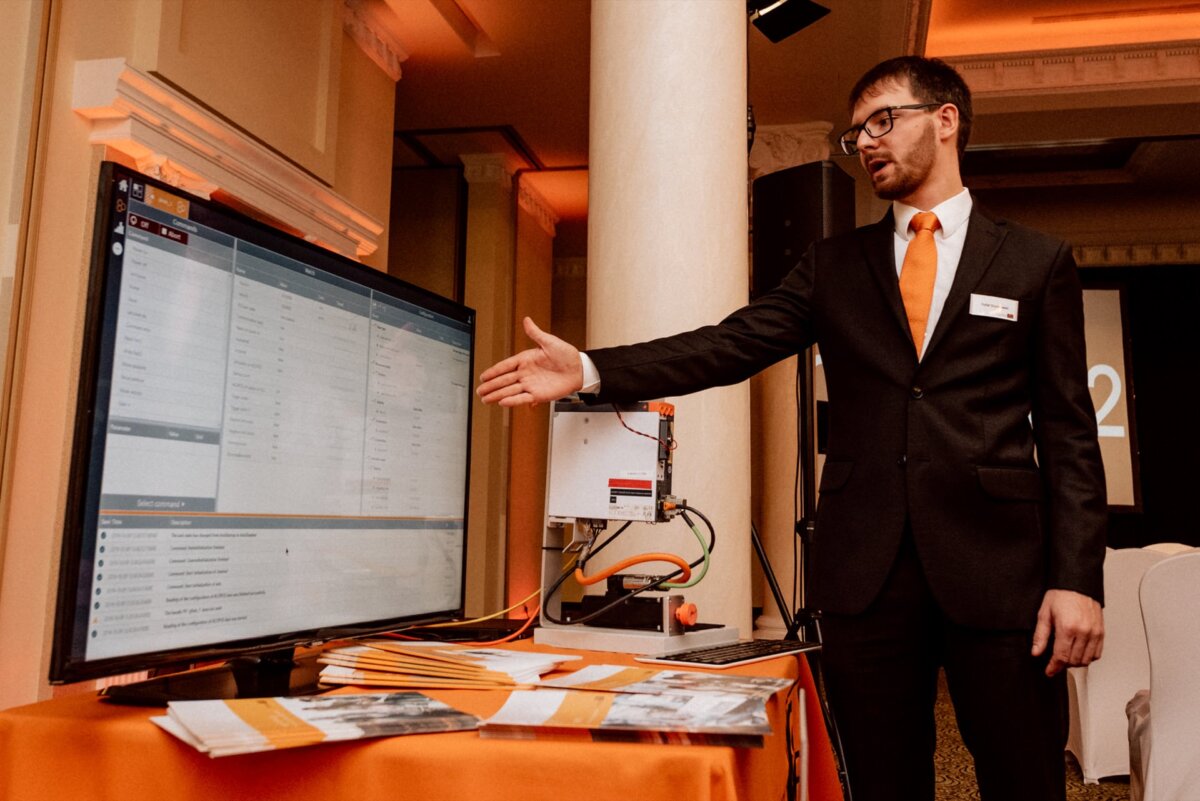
271	445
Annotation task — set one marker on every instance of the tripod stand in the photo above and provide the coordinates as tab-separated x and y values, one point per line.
803	623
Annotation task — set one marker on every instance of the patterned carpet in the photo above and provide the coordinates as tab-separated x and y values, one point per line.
956	774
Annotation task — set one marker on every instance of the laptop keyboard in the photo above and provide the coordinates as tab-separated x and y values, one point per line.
733	654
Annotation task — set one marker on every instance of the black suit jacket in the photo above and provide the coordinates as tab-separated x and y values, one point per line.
1001	508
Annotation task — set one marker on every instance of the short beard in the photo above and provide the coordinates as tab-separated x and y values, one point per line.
908	179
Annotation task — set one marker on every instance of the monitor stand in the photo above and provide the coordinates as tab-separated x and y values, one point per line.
276	673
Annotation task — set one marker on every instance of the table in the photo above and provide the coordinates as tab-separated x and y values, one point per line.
81	748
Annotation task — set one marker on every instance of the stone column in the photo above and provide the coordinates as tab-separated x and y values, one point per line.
491	232
773	396
667	238
529	425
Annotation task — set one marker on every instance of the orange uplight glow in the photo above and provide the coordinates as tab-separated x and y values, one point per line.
976	27
564	190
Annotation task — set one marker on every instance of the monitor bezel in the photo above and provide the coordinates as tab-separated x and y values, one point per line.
101	302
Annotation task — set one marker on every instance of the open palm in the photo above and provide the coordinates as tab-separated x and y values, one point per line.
543	373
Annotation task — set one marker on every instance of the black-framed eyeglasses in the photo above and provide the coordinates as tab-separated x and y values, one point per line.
876	125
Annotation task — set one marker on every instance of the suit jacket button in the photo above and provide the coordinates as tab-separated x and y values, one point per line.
903	460
918	393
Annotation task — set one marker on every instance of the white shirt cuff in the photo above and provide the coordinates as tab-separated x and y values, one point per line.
591	376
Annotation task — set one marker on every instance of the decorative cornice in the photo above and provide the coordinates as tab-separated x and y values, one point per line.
536	205
488	168
1133	66
172	136
1137	255
365	21
777	147
156	165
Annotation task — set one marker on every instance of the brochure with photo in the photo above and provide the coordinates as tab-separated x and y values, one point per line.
248	725
708	718
619	678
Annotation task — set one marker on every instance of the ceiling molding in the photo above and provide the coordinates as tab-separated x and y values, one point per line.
171	136
1079	70
367	22
1137	254
531	201
440	147
465	28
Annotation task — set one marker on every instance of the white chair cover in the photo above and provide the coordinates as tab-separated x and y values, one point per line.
1098	734
1169	547
1166	737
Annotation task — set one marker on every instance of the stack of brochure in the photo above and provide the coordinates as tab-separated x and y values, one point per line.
386	663
247	725
613	702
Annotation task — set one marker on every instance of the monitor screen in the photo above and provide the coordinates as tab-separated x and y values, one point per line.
271	445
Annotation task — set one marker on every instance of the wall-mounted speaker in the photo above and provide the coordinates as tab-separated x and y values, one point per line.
790	210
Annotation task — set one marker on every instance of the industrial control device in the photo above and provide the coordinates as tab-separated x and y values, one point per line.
612	466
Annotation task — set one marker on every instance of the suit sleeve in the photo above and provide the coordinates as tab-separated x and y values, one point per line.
772	328
1064	423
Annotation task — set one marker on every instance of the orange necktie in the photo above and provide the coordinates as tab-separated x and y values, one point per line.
917	274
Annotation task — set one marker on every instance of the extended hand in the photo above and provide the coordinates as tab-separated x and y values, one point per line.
1078	625
545	373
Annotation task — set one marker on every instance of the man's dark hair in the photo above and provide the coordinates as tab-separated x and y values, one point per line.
931	81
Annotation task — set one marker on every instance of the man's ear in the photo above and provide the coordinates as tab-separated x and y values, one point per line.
947	123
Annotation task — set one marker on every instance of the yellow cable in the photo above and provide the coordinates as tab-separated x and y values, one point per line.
451	623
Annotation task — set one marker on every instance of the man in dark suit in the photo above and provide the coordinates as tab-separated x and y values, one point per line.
962	510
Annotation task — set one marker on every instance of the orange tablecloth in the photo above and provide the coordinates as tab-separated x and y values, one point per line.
80	748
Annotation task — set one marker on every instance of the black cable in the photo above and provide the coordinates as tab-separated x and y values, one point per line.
791	750
683	510
646	588
796	567
567	571
604	544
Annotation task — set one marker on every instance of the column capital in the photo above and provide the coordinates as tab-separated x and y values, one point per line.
777	147
488	168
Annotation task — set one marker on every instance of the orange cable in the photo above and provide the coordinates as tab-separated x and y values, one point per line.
508	638
678	561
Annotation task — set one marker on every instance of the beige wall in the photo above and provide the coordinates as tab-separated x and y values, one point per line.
424	247
49	340
22	54
274	68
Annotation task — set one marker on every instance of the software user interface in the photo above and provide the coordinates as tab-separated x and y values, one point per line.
284	449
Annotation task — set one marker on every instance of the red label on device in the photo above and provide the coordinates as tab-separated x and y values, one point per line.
630	483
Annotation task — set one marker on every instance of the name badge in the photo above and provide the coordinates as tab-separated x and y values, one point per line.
992	306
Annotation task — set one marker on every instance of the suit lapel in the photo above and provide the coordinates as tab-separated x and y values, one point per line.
983	240
879	250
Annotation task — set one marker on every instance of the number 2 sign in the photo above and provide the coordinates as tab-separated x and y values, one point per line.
1108	378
